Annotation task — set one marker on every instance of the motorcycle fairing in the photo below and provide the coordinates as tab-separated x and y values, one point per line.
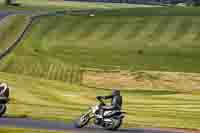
4	93
108	114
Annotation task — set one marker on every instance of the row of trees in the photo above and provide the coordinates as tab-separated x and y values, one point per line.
188	2
11	2
193	2
8	2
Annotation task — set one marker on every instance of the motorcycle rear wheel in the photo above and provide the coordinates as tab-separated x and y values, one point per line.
116	123
82	121
3	109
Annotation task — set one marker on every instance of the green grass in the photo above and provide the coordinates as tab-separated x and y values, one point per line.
154	11
10	28
119	8
53	100
113	8
46	5
20	130
164	43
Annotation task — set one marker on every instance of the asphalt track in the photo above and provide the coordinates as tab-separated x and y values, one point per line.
3	15
62	126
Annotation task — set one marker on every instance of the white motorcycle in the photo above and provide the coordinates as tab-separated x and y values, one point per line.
111	120
4	98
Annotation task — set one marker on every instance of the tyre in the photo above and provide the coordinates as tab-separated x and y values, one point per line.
82	121
114	125
3	109
117	124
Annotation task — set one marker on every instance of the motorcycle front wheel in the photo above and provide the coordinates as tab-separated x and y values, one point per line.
3	109
82	121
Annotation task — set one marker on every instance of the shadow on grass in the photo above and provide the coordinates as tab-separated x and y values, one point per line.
151	92
16	116
138	91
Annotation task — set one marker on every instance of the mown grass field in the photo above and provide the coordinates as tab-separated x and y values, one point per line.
164	43
47	5
18	130
44	99
10	28
137	9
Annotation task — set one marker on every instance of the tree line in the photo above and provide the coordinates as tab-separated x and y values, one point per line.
187	2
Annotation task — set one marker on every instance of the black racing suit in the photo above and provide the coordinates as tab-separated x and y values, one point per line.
116	102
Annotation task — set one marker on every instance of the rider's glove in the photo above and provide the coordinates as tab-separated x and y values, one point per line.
98	97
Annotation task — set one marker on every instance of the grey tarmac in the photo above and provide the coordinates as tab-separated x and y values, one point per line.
63	126
3	15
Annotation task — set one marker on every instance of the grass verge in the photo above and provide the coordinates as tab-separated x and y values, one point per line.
131	42
53	100
10	28
47	5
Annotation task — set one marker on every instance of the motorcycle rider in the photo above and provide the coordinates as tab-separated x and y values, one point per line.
116	101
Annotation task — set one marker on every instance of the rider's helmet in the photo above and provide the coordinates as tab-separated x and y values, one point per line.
115	92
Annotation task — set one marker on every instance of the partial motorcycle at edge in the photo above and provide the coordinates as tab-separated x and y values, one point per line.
4	98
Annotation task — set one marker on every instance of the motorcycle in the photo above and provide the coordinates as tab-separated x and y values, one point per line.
4	98
111	119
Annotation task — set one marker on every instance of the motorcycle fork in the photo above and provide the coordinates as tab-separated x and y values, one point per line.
86	114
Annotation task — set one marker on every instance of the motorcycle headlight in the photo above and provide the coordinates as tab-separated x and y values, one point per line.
97	107
94	109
